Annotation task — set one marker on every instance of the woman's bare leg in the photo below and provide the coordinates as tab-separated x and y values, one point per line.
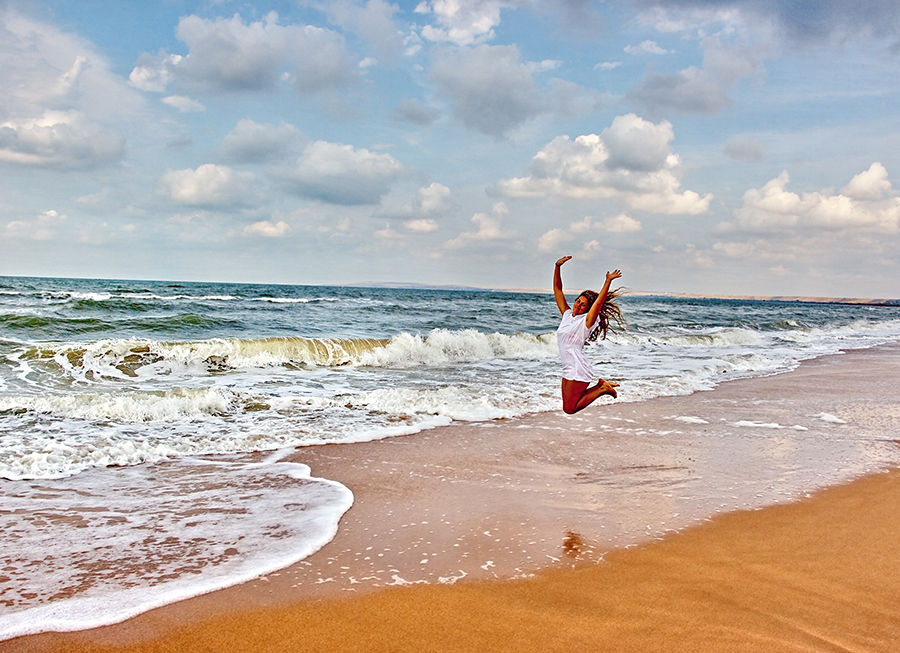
577	395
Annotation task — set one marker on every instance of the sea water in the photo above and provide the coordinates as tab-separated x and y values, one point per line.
133	413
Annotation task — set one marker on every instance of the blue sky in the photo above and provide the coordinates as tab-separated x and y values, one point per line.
745	147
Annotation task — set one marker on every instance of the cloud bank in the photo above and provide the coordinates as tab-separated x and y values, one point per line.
630	160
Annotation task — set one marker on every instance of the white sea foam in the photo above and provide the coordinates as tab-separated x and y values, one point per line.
295	300
129	428
112	544
827	417
689	419
749	423
442	346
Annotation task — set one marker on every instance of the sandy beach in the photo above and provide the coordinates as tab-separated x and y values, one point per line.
701	522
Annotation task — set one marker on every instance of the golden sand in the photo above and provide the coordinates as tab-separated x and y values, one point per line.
819	575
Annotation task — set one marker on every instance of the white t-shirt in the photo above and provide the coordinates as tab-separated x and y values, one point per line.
571	336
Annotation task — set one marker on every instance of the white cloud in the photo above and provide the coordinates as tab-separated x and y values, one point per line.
265	228
489	228
867	204
687	17
621	224
463	22
492	91
184	104
372	21
59	139
489	88
630	160
552	240
421	226
646	47
800	21
42	227
59	98
872	184
229	54
153	74
607	65
434	199
253	142
340	174
209	185
705	89
543	66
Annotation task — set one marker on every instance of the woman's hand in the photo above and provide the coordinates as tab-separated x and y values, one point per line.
615	274
562	260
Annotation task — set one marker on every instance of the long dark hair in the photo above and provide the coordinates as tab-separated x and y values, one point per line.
610	316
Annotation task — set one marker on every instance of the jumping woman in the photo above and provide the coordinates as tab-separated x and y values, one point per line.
589	317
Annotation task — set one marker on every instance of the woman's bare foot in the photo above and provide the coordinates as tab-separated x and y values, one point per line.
607	388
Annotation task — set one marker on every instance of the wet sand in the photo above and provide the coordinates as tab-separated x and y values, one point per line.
550	501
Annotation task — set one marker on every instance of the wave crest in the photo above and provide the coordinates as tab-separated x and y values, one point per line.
126	358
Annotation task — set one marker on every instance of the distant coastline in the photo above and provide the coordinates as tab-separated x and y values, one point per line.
401	285
640	293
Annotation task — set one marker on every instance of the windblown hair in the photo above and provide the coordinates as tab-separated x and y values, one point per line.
610	317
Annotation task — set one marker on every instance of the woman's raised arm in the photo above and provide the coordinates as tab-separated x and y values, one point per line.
558	293
594	310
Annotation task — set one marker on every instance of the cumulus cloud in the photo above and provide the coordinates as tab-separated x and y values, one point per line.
184	104
463	22
42	227
489	225
645	47
621	224
491	90
373	22
543	66
59	139
872	184
552	240
421	226
804	21
746	150
631	160
434	199
253	142
209	185
280	229
488	87
867	203
59	98
340	174
705	89
231	55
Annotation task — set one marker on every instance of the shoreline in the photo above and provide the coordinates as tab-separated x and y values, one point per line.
447	502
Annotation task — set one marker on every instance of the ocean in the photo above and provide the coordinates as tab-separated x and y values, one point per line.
144	425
